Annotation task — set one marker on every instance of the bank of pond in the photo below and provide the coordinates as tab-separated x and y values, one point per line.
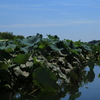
48	69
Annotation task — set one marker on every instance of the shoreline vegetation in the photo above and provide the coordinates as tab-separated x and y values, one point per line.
4	36
10	36
34	66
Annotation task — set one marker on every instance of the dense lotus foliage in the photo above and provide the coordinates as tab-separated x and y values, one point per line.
34	66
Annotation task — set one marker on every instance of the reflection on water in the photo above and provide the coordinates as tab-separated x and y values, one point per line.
87	87
93	92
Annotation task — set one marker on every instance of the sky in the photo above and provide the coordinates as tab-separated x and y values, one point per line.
68	19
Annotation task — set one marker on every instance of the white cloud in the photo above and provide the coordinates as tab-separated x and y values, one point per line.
50	24
29	25
83	22
19	6
81	3
68	4
34	7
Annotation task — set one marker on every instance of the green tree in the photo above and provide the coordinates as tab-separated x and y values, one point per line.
9	35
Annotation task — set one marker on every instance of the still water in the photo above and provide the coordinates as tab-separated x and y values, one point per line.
89	90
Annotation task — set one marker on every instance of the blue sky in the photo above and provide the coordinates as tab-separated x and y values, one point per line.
69	19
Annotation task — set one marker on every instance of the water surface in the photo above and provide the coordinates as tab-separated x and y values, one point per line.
90	90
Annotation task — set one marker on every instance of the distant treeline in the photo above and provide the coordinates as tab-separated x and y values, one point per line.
10	36
94	41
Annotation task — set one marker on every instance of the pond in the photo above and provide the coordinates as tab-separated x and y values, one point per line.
90	89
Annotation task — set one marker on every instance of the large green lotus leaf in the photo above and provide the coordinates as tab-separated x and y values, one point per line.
9	48
3	66
32	40
48	42
41	46
27	49
85	46
45	79
21	58
97	48
75	51
55	48
44	43
72	45
69	44
55	37
2	43
60	44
